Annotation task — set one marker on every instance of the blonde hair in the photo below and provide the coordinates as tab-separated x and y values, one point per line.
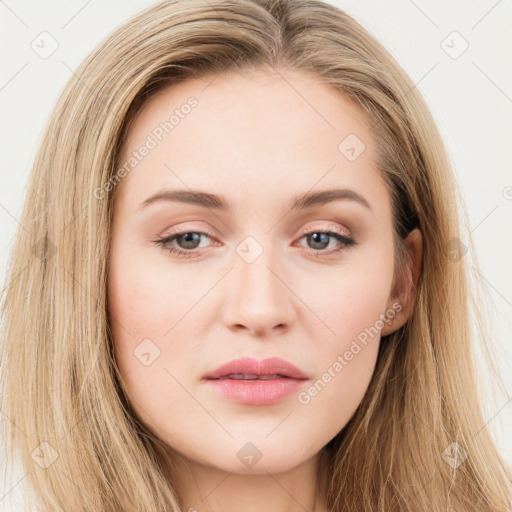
65	415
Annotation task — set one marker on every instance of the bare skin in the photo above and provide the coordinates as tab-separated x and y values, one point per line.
258	142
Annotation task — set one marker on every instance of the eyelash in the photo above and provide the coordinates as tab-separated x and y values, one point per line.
346	242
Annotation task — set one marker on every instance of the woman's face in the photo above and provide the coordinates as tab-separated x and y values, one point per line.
261	272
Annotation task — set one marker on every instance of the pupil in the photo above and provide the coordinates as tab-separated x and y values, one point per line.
316	238
189	238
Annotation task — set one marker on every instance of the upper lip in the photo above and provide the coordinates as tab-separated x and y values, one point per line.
269	366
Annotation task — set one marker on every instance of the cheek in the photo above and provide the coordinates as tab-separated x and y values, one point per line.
357	309
351	304
143	307
153	311
351	300
140	305
148	294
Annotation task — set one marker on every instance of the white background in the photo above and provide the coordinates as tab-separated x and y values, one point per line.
470	97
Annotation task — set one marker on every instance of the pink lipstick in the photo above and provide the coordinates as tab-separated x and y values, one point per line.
253	382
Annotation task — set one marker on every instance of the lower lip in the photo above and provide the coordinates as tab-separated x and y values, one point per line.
256	392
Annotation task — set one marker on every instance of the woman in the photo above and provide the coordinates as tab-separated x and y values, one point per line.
242	282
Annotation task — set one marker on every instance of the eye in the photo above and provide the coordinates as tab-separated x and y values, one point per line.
320	240
189	241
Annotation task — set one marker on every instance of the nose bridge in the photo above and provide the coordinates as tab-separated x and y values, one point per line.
258	298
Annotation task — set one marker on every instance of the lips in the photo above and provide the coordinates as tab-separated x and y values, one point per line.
247	368
247	381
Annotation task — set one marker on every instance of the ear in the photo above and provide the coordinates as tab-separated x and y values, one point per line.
404	289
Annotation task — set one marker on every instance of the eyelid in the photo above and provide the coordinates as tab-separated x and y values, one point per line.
326	226
318	225
182	231
342	234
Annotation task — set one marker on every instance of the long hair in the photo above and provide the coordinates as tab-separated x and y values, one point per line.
418	441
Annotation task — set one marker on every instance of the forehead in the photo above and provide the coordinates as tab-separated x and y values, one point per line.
250	135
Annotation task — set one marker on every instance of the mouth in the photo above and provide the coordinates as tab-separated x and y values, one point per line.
248	376
248	368
251	382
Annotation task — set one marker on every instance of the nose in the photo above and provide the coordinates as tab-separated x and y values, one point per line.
258	299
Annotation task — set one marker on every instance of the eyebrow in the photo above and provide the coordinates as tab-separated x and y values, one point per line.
300	202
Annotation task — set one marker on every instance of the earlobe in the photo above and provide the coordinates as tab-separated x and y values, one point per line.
407	284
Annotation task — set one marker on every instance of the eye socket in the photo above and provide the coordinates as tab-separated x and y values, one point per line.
187	253
345	241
